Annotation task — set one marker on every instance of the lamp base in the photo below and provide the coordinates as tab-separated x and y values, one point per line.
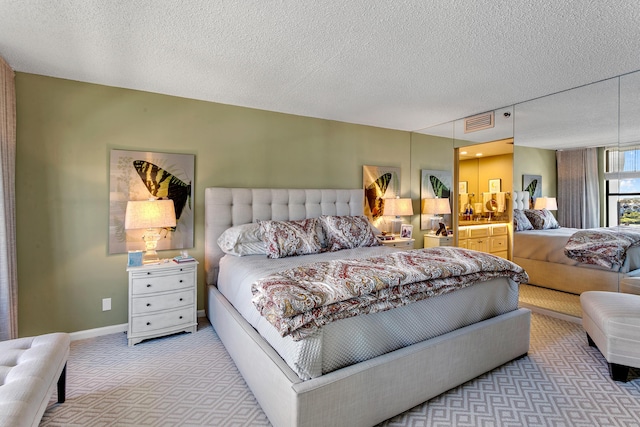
396	226
435	224
151	238
150	257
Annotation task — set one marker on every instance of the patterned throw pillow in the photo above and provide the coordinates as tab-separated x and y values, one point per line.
520	221
290	238
348	232
541	219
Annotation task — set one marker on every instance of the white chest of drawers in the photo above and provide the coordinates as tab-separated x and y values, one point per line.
162	300
399	242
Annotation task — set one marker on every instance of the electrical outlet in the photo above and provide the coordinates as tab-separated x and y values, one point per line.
106	304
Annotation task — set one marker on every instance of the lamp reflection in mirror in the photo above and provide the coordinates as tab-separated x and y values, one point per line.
153	216
548	203
397	207
435	208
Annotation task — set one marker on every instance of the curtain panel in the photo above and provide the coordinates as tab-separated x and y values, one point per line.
578	188
8	265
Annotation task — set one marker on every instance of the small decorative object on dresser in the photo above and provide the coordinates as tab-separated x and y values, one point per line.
162	300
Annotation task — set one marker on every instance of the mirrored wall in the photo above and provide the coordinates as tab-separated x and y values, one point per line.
602	118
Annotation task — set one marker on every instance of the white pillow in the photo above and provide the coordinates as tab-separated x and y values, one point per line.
242	240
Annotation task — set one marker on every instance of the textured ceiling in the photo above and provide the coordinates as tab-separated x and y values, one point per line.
395	64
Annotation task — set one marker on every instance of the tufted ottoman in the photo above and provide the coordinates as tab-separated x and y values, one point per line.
612	323
30	368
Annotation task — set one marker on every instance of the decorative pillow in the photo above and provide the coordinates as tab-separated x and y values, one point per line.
541	219
242	240
520	221
290	238
347	232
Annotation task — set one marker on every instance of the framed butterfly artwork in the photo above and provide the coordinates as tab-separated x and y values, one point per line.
379	183
435	184
533	185
141	175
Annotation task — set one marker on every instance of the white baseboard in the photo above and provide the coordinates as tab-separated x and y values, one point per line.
107	330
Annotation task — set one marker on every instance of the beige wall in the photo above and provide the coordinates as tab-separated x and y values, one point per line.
65	132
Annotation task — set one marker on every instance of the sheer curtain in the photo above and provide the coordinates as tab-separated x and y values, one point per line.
8	269
578	188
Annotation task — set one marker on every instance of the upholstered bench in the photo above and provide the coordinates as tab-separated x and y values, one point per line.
612	323
30	370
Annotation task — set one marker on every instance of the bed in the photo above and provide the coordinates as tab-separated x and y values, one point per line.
541	254
352	392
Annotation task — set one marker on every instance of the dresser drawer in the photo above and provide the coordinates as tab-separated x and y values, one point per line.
498	243
147	304
499	230
160	283
478	232
167	319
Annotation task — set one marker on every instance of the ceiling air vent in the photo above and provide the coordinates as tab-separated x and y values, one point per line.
479	122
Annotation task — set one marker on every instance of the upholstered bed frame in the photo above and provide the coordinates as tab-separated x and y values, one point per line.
562	277
359	395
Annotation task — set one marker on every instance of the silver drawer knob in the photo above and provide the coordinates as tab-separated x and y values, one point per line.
148	323
148	285
148	305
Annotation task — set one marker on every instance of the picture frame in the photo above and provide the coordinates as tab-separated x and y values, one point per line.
533	185
379	183
406	231
141	175
435	183
495	185
463	187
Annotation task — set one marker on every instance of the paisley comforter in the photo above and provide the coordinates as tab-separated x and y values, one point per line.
606	247
300	300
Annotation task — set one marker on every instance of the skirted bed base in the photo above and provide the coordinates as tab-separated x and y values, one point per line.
359	395
372	391
568	278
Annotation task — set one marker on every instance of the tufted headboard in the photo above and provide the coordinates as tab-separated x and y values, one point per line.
520	200
226	207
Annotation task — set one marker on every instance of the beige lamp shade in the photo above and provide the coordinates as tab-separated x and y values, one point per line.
150	214
398	207
436	206
548	203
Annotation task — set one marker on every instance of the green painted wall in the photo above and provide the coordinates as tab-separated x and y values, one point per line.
535	161
65	131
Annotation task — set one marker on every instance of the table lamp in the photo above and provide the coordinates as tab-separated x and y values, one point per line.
152	215
548	203
397	207
435	208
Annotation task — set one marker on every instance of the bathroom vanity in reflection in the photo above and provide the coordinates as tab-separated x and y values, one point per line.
485	237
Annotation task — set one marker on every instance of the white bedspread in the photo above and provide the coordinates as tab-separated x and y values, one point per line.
359	338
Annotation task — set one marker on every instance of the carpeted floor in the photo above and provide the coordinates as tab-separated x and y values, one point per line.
560	302
189	380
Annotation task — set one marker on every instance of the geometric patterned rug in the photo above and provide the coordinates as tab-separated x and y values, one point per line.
190	380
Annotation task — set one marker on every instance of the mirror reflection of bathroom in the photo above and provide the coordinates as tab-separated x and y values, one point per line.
485	181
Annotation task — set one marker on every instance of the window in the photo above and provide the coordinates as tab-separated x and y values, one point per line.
622	175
